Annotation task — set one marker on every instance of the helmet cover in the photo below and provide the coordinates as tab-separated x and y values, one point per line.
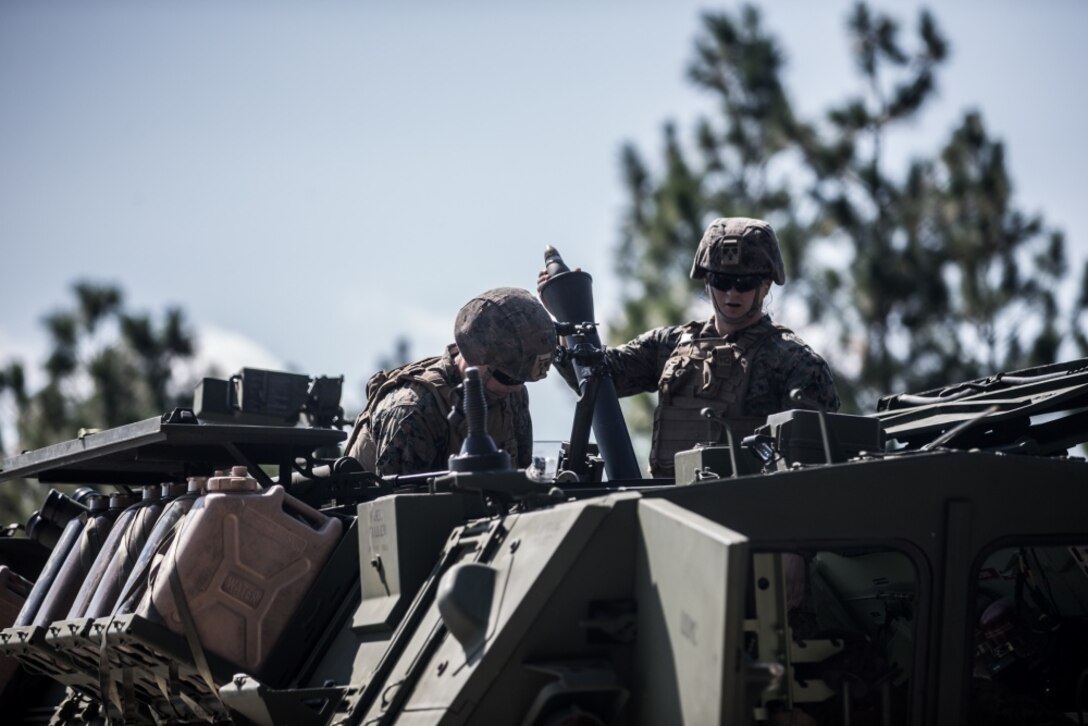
507	329
739	246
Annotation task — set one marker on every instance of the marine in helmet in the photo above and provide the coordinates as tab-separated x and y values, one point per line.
413	420
739	362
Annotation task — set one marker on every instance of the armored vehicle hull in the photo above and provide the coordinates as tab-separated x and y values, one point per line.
925	565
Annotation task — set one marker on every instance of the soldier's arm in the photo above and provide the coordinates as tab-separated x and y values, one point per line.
810	373
636	365
411	434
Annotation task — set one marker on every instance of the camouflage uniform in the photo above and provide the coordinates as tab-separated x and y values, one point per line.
745	376
413	421
406	427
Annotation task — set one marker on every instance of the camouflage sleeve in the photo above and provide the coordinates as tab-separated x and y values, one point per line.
523	429
636	365
809	372
411	433
781	365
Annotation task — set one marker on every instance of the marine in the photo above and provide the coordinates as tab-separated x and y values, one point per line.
414	421
739	362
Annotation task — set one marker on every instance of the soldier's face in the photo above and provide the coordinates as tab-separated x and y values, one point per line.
493	388
734	305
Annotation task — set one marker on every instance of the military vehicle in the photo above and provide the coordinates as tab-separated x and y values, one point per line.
926	564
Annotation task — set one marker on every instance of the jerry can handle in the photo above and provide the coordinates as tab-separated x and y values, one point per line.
312	517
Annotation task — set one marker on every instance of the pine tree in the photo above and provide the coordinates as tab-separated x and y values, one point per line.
923	276
106	367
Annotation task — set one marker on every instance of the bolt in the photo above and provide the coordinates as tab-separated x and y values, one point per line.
442	667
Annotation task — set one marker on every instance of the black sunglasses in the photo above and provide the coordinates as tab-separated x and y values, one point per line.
505	379
740	283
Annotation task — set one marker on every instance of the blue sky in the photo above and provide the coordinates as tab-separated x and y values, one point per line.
311	180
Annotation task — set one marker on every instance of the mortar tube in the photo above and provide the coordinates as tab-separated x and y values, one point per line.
136	585
77	562
105	553
68	538
130	542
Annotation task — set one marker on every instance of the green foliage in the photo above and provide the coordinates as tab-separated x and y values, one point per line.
107	367
922	276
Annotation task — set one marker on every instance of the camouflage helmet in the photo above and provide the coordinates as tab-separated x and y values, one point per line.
739	246
508	329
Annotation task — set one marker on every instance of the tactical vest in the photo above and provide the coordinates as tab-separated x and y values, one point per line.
429	373
702	373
